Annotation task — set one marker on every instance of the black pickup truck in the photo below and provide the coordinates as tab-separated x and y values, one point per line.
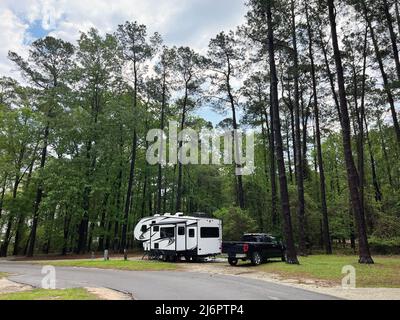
257	248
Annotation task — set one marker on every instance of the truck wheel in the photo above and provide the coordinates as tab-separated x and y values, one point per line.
233	261
256	259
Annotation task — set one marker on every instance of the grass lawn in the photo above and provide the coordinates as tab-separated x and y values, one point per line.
385	273
132	265
3	275
41	294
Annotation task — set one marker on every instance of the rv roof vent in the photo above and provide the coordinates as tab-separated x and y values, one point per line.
167	214
157	215
179	214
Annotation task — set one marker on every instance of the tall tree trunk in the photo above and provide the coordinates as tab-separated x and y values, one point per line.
288	149
385	153
321	169
132	165
67	222
91	158
287	222
396	3
353	179
383	73
21	216
3	192
329	73
299	160
39	195
160	166
129	191
103	221
178	205
272	165
393	37
240	191
378	193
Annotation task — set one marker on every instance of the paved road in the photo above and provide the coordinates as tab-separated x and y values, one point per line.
163	285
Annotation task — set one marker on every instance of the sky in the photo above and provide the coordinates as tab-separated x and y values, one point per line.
181	22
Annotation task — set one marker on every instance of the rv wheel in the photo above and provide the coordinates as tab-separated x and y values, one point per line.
233	261
187	258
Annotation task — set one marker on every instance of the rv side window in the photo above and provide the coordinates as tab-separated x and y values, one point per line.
191	233
181	231
144	228
167	232
156	228
209	232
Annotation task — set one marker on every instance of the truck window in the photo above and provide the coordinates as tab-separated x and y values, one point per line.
249	238
206	232
144	228
167	232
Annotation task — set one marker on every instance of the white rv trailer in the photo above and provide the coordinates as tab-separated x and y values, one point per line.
174	236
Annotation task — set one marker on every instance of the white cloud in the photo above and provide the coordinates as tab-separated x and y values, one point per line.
11	39
181	22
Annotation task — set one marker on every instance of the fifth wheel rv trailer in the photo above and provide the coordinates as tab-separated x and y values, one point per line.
171	237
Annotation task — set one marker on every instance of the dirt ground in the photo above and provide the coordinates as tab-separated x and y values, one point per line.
108	294
7	286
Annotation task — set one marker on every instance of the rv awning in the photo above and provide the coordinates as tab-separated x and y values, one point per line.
161	223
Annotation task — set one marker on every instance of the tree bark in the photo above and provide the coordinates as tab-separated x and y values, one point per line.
298	158
132	165
383	73
39	195
287	222
240	191
178	206
321	169
393	37
352	175
160	166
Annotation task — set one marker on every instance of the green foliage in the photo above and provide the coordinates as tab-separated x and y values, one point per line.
132	265
42	294
385	246
235	222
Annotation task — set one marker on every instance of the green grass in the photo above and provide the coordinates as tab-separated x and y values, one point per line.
41	294
131	265
385	273
3	275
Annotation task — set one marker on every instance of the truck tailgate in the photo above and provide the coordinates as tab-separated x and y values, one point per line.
232	247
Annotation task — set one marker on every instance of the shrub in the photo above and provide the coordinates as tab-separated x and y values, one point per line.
385	246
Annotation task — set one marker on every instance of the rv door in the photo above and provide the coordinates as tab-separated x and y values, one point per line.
181	237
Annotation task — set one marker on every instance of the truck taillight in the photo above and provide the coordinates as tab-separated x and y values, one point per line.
245	248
